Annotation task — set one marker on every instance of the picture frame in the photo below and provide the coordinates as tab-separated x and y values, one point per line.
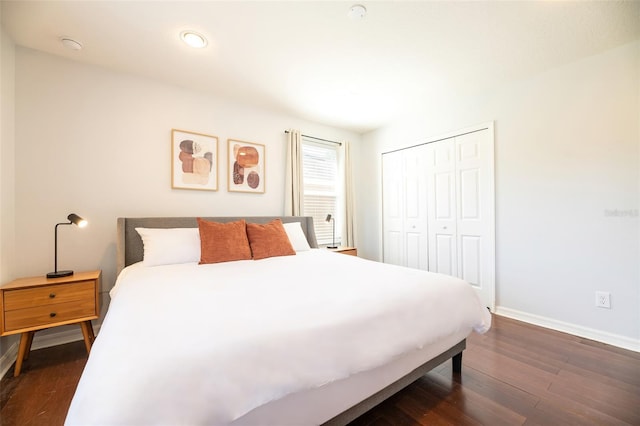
246	166
194	160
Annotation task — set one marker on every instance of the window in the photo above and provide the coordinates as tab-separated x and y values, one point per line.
322	188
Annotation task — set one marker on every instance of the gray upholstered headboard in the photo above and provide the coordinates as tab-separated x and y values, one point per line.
129	244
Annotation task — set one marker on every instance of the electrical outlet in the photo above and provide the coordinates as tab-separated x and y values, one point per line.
603	299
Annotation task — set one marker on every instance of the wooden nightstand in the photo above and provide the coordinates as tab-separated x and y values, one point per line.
352	251
36	303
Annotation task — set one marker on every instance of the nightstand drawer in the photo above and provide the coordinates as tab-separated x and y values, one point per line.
43	315
49	295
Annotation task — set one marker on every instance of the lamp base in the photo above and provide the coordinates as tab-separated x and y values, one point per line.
59	274
332	247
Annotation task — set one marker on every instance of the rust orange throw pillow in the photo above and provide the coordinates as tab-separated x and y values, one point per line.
269	240
223	242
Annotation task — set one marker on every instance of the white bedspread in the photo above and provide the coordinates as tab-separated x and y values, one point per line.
204	344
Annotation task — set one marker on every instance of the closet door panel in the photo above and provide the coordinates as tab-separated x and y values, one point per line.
415	245
443	255
470	194
411	164
443	196
441	208
415	208
470	259
393	248
392	208
475	221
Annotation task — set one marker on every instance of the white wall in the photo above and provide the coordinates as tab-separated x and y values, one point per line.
7	155
567	157
7	169
97	143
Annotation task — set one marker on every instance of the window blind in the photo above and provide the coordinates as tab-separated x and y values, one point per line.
320	187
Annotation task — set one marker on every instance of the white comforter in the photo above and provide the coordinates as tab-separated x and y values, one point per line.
205	344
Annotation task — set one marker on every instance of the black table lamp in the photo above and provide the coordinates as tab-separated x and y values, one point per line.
74	219
329	219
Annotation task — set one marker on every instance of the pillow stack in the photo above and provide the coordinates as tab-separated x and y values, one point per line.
215	242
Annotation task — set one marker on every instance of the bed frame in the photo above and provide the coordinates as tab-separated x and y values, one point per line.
130	250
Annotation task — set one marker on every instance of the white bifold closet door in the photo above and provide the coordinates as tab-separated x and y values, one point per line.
438	209
405	207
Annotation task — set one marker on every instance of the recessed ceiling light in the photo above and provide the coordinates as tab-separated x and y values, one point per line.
70	43
357	12
193	39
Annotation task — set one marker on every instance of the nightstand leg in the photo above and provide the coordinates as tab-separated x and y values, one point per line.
29	342
87	333
25	345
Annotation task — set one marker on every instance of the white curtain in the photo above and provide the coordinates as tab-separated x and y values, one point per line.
349	202
293	178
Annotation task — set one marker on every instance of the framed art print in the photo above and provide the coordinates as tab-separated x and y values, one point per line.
194	161
246	165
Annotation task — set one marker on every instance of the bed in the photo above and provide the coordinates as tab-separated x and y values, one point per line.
309	338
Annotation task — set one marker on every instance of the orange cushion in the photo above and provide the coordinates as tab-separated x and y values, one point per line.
269	240
223	242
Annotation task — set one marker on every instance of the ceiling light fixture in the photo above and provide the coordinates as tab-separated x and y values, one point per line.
357	12
70	43
193	39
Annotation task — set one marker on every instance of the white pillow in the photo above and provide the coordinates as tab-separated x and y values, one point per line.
296	236
169	246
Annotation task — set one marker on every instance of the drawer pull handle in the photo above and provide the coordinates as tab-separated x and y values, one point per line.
52	295
52	314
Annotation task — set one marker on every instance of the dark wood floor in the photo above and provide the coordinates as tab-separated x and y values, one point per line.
515	374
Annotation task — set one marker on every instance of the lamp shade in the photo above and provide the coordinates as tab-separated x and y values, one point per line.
77	220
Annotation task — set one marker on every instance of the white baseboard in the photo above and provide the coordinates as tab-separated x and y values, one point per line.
577	330
42	341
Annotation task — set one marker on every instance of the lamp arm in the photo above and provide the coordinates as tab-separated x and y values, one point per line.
55	243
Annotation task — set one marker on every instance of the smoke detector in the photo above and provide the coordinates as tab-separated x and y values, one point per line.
70	43
357	12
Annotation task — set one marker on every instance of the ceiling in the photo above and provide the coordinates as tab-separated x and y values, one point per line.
309	59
